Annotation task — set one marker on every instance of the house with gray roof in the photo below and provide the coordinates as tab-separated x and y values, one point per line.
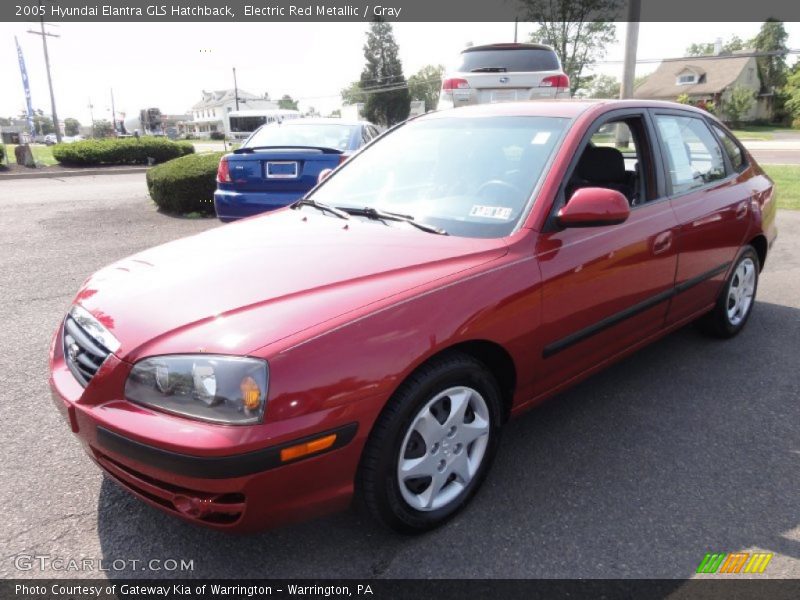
708	79
210	114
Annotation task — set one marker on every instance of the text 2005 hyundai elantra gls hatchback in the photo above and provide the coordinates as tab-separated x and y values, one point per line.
372	339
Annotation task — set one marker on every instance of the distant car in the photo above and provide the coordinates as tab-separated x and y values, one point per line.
50	139
504	73
280	162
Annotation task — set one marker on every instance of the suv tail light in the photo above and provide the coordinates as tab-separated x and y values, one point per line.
557	81
343	157
223	171
455	84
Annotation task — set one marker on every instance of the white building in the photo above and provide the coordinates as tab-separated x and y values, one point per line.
211	113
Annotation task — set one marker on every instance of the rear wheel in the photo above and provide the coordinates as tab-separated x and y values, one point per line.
432	446
735	303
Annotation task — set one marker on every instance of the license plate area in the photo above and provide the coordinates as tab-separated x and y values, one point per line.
280	169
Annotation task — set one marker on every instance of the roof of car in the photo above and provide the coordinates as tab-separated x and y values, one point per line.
507	46
324	120
550	108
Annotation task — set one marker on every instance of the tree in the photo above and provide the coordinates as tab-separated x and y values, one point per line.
738	104
42	125
569	26
352	94
791	92
287	103
102	128
772	38
388	100
71	126
336	113
734	44
604	86
425	85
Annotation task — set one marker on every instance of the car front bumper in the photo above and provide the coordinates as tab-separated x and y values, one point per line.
204	473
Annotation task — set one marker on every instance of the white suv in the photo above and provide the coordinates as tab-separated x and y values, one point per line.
504	73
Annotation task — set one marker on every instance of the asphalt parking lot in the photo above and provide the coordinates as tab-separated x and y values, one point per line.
690	446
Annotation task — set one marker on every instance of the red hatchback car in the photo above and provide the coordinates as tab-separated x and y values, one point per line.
372	339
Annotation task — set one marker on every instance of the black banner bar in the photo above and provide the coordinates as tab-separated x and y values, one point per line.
393	10
410	589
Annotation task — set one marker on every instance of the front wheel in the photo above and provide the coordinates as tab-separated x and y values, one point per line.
432	445
735	303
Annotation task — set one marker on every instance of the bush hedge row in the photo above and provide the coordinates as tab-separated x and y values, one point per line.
186	184
120	151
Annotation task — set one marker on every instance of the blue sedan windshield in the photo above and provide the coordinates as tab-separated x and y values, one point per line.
322	135
472	177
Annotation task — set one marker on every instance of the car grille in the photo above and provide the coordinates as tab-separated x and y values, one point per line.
82	353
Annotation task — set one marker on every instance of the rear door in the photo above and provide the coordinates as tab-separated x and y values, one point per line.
711	201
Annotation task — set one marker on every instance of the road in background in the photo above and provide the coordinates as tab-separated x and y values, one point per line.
690	446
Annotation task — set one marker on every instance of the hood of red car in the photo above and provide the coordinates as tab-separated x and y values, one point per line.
239	287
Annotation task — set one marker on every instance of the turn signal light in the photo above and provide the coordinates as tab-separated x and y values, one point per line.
251	395
312	447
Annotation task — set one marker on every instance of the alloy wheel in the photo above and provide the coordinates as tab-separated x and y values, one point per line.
443	448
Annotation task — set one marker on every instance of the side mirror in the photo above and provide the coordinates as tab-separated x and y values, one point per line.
323	175
593	207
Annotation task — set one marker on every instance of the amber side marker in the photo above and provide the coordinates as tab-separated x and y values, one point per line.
312	447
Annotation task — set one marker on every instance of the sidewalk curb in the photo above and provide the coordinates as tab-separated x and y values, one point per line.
34	174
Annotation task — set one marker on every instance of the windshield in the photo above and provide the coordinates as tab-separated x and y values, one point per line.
517	60
471	177
322	135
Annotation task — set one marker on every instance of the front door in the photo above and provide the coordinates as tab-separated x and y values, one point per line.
607	287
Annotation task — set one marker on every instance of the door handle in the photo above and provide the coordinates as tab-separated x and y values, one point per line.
662	242
741	209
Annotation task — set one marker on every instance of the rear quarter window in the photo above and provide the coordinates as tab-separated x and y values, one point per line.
732	149
509	60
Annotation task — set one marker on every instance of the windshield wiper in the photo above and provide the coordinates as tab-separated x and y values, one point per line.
320	206
379	214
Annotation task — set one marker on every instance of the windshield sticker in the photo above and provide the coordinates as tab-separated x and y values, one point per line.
491	212
540	138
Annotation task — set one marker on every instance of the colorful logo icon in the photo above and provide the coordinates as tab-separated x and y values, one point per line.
735	562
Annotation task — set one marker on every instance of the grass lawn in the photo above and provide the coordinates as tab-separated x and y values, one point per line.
758	132
41	153
787	184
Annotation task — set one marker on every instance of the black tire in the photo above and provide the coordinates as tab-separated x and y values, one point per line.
377	482
718	322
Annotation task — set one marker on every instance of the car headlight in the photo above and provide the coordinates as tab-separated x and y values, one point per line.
220	389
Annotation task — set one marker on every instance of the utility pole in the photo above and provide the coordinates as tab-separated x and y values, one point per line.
631	42
113	112
235	89
45	35
91	115
629	66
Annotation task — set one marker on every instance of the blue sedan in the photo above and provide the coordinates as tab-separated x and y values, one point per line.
280	162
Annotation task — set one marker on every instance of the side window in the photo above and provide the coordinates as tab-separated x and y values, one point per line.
694	156
616	157
733	149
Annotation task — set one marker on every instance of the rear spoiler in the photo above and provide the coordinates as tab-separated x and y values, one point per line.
322	149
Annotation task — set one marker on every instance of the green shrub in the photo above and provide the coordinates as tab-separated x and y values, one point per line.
2	155
120	151
185	184
217	135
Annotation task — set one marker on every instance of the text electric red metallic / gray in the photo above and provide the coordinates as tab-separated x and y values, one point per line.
373	338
